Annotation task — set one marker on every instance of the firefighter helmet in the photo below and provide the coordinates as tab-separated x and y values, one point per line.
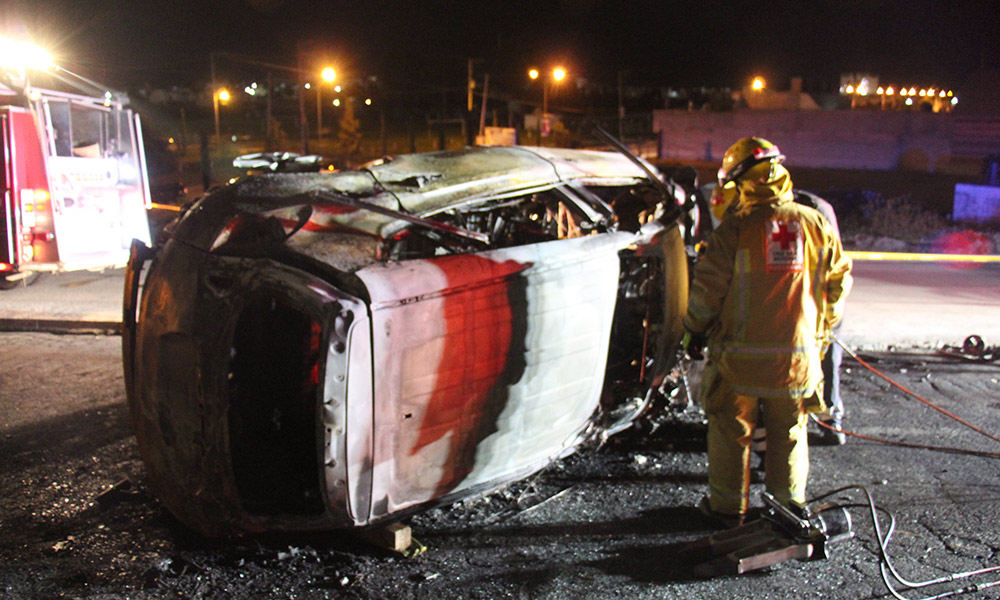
746	154
740	160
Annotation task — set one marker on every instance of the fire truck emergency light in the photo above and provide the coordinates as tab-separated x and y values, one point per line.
23	55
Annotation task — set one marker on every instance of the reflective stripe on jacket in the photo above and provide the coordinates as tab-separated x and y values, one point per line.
766	293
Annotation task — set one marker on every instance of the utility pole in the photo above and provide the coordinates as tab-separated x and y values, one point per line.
319	110
215	91
303	123
482	112
184	131
442	141
621	106
471	85
381	126
268	129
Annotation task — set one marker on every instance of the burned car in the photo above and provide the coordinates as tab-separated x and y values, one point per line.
335	350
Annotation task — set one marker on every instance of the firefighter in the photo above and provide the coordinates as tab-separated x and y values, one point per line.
833	416
765	295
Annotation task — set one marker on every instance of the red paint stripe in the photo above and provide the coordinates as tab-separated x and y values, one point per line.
477	340
312	226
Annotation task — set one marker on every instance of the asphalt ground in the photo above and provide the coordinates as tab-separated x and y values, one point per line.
77	519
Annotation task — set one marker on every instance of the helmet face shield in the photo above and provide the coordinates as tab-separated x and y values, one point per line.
723	199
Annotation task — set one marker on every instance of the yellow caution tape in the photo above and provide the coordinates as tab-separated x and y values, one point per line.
918	256
165	207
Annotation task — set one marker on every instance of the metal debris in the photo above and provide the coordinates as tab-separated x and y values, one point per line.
973	348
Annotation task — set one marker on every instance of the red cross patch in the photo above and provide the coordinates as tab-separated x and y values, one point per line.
783	243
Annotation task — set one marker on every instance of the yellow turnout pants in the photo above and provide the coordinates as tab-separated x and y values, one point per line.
731	421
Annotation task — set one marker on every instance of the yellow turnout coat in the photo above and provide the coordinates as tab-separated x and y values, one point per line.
767	291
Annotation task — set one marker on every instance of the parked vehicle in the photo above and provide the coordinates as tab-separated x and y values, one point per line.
73	182
334	350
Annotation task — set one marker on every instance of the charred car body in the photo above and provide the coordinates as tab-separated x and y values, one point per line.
316	351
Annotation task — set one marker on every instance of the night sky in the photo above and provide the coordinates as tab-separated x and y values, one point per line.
711	43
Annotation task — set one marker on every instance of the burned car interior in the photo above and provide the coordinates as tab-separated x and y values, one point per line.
336	350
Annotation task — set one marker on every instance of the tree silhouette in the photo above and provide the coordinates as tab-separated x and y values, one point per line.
349	130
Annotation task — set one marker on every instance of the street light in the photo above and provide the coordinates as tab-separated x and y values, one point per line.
220	95
558	74
758	84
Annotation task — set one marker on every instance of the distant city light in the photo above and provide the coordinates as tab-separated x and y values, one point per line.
368	101
913	91
308	86
954	101
850	89
942	94
889	91
909	101
337	88
923	93
758	84
336	101
533	73
880	91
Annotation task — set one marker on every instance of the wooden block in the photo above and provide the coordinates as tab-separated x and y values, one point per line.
394	536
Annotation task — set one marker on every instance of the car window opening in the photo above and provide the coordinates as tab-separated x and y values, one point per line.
532	218
273	399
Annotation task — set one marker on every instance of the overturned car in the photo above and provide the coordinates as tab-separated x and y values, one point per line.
332	350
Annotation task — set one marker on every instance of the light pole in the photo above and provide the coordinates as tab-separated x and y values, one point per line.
558	74
219	95
328	75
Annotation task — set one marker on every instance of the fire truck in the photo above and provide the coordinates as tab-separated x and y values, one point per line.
73	179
